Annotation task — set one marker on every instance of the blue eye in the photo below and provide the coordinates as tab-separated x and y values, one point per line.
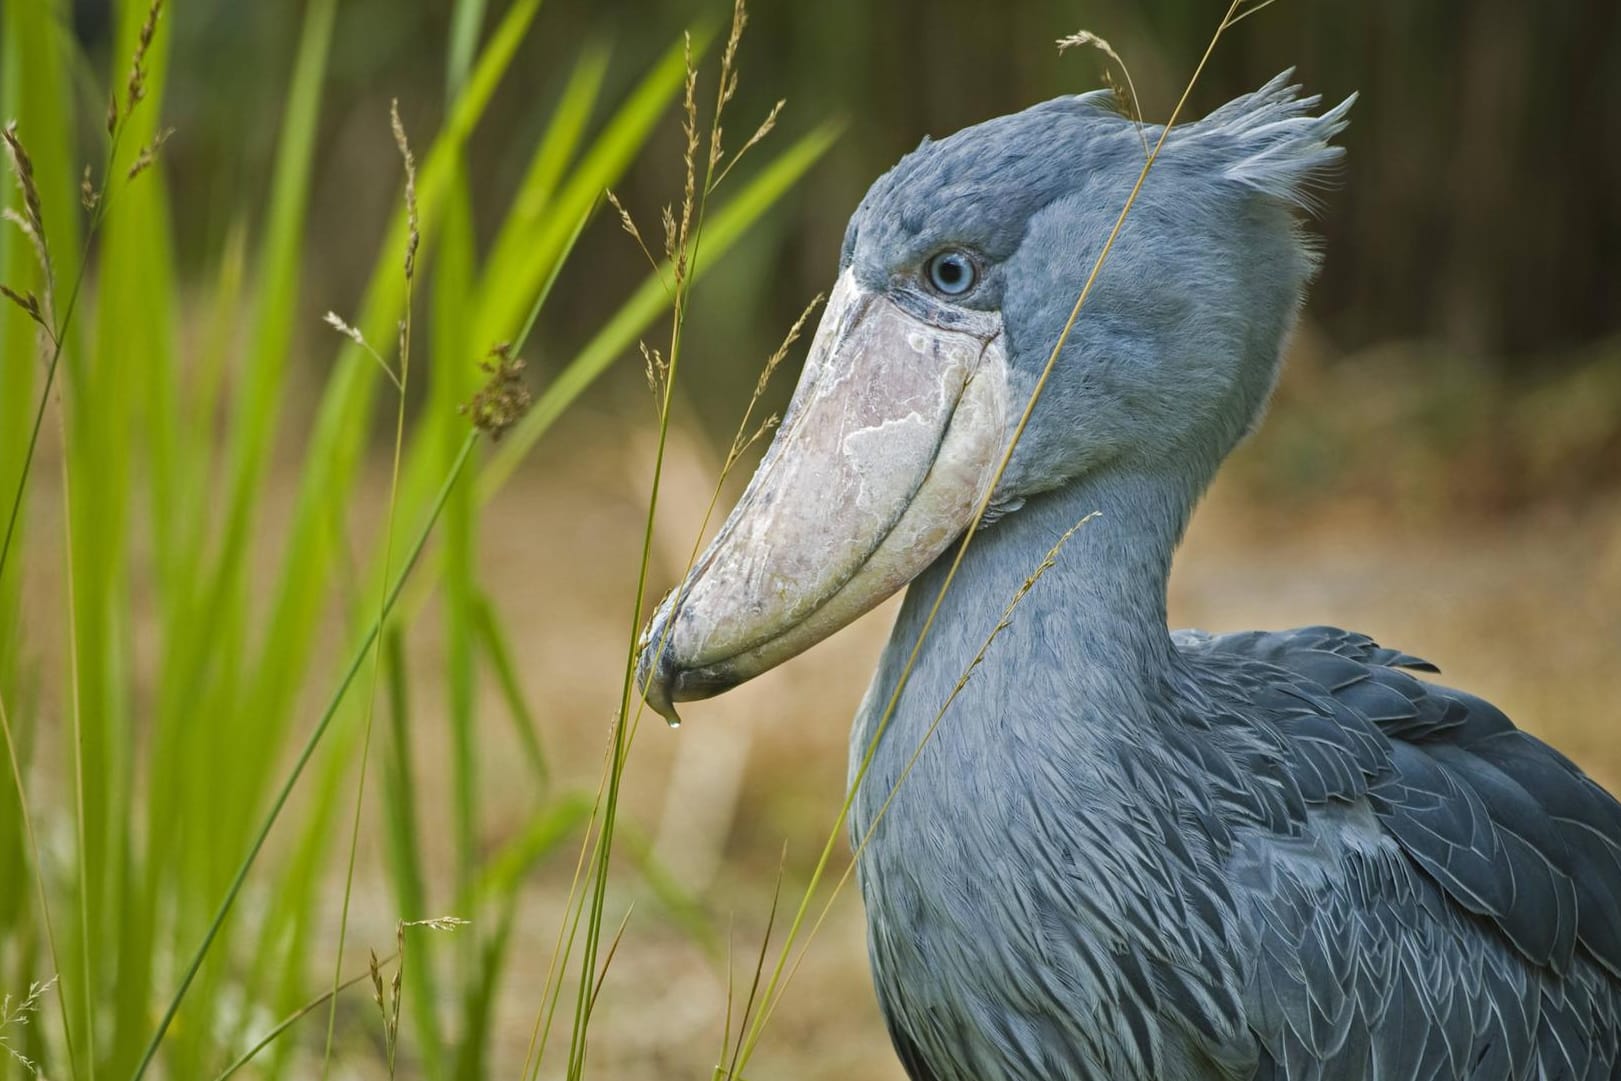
952	272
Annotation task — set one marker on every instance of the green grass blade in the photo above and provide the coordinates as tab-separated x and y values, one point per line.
344	416
358	658
466	21
540	837
132	346
618	334
493	643
519	267
552	154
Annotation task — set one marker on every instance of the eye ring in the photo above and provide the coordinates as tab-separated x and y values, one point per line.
951	272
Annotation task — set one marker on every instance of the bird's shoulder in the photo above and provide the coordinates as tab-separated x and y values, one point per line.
1510	829
1446	901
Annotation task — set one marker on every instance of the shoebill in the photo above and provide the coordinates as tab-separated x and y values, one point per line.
1129	853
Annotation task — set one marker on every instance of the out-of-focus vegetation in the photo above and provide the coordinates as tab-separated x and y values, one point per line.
189	652
1476	205
1443	468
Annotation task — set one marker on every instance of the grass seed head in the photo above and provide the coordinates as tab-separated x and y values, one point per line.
143	161
135	89
27	301
413	230
499	404
689	188
22	167
15	1015
1125	98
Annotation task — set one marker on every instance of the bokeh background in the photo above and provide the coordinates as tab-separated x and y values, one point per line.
1442	467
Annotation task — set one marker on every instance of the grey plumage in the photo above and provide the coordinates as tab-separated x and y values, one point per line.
1129	854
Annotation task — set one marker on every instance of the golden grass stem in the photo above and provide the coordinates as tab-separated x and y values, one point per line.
1047	563
685	261
973	529
563	949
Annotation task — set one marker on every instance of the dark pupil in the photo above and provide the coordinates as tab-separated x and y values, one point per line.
951	270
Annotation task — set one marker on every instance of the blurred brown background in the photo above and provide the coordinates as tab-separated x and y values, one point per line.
1442	468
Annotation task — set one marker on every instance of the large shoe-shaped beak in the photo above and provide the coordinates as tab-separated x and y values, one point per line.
888	447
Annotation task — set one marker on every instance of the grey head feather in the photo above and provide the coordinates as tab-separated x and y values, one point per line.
1178	349
982	185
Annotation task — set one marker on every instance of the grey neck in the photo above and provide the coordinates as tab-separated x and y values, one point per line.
1090	637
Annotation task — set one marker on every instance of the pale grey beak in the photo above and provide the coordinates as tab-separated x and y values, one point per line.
888	447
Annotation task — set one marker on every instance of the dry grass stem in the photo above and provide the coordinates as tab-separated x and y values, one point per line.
1240	16
731	994
1047	563
413	238
742	441
760	132
1132	104
759	968
968	536
607	961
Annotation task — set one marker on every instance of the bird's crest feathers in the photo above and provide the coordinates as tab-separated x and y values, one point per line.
1272	142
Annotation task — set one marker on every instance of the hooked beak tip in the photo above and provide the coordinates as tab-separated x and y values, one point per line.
656	675
664	680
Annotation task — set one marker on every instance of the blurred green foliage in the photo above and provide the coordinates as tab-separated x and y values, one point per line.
1477	205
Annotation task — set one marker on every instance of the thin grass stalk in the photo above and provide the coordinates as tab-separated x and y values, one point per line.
304	756
403	382
741	441
296	1016
972	531
731	995
1002	624
685	259
540	1032
39	882
759	964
